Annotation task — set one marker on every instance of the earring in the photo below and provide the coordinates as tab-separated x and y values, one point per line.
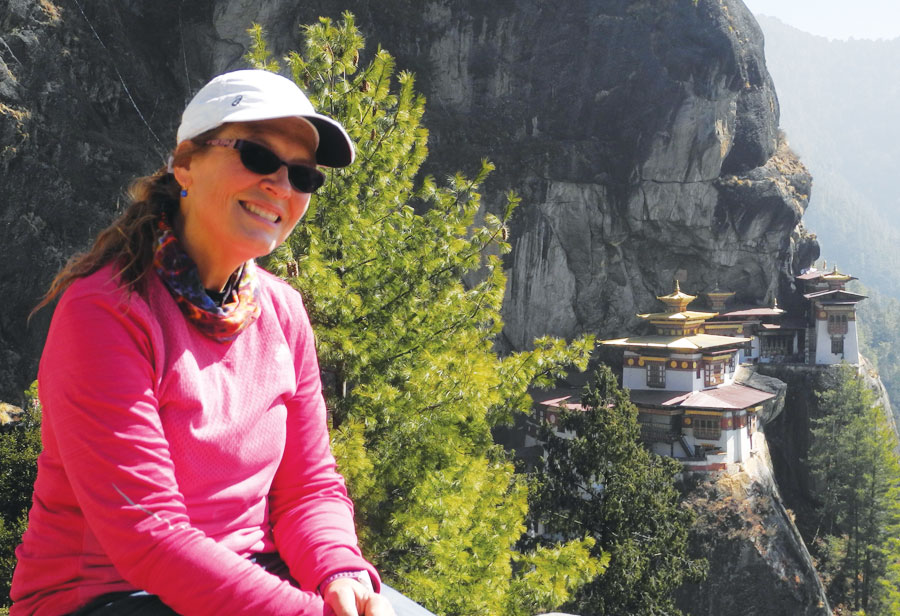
184	192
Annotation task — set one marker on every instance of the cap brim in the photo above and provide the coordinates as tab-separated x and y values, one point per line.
335	147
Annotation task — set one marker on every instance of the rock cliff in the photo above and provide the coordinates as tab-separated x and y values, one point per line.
641	135
746	533
746	530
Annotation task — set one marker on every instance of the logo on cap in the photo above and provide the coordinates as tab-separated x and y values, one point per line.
237	99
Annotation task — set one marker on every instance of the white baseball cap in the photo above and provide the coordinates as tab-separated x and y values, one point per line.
251	95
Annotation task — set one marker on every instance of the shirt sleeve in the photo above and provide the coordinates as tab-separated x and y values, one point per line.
312	515
97	385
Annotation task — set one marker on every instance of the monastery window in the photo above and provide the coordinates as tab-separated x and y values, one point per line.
774	346
837	324
656	374
730	363
714	373
656	428
709	428
837	345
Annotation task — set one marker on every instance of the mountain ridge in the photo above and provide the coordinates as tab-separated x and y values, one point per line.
839	102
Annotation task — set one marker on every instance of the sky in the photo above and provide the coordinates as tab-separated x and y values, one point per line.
837	19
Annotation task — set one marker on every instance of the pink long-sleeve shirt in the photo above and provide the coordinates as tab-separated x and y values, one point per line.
170	457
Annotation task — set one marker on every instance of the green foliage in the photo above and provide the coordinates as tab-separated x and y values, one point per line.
259	53
20	445
854	463
879	336
412	380
888	591
598	480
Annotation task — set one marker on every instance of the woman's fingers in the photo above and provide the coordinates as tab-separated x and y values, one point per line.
347	597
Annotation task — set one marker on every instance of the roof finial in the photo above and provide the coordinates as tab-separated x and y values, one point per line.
775	303
677	286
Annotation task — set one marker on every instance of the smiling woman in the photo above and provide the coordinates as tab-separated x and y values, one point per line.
232	213
186	465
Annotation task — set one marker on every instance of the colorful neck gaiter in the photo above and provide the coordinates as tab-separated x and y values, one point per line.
179	273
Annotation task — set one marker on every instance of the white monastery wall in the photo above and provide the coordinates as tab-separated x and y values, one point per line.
824	356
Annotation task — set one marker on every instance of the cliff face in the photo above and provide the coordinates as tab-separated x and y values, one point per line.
757	559
641	136
71	137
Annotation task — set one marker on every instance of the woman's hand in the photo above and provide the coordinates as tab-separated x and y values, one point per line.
347	597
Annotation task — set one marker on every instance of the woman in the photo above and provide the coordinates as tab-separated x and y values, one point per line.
186	465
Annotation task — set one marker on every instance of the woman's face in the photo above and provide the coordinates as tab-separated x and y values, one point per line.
231	214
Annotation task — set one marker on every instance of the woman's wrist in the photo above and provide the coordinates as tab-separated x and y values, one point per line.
362	576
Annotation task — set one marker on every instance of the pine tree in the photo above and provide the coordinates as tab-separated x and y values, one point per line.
854	462
597	478
413	382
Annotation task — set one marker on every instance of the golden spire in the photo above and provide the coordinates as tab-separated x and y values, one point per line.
676	301
836	276
718	298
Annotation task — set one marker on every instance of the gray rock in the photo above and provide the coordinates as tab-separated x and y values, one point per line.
758	562
750	377
641	136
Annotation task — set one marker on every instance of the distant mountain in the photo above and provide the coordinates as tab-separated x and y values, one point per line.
840	110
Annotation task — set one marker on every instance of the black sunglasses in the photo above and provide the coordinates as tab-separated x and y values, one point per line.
260	159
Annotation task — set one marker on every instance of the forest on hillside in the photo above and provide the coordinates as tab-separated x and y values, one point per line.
840	111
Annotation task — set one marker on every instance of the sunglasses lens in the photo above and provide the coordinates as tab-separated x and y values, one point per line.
259	159
305	179
264	161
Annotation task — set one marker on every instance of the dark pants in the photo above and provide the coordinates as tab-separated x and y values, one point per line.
142	604
120	604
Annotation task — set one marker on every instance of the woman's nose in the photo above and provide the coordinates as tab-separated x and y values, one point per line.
278	182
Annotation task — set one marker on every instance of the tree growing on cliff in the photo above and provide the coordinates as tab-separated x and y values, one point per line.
854	463
413	383
20	444
603	482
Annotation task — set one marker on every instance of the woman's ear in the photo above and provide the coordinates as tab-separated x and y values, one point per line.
181	164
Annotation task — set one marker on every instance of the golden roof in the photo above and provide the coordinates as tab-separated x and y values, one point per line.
836	275
719	293
677	299
686	315
690	343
